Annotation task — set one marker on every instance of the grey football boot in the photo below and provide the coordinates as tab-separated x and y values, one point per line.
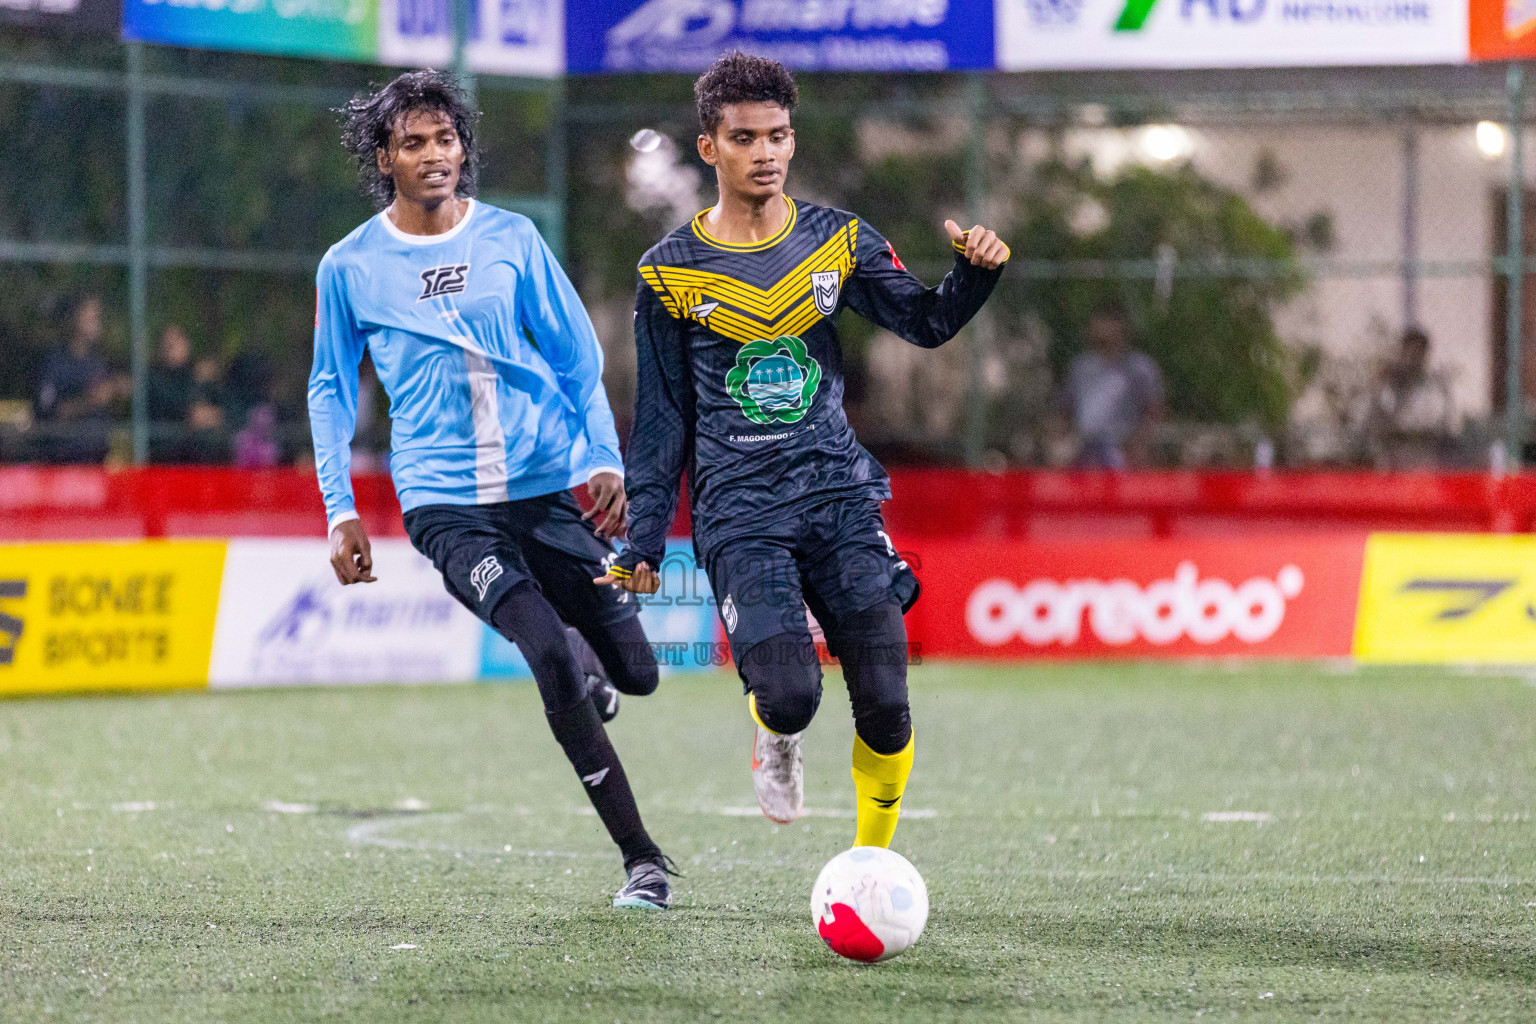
778	775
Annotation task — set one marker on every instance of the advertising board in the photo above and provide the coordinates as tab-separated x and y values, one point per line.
506	37
852	35
346	29
1284	598
284	619
135	615
1050	34
1448	599
83	17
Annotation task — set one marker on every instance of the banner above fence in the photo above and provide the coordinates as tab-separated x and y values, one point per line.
549	37
853	35
346	29
1062	34
506	37
93	17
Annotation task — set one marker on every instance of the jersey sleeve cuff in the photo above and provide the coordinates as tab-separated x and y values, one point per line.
617	471
339	518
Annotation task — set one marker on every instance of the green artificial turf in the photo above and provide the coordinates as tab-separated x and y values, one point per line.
296	836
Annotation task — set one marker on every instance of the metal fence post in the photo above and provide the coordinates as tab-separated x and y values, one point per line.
1514	230
978	107
138	252
554	168
1410	225
463	19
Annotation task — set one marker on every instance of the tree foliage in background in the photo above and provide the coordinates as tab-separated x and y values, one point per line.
1213	336
272	178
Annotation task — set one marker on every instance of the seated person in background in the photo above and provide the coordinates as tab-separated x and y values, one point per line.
207	442
168	393
256	447
1112	393
1412	417
75	390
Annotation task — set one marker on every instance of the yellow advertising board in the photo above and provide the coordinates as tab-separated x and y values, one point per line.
135	615
1447	598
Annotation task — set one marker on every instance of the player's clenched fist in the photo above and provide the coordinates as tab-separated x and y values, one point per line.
351	554
642	581
982	246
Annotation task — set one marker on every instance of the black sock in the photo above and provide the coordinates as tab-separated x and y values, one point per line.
528	620
581	733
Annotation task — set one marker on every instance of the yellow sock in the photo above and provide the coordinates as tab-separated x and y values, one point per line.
879	780
752	707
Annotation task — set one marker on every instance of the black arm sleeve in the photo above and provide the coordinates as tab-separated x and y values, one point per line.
661	441
886	294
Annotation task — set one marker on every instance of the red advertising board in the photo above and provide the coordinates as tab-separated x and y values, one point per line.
1502	29
1272	597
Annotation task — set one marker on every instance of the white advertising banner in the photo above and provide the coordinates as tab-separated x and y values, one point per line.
1063	34
284	619
507	37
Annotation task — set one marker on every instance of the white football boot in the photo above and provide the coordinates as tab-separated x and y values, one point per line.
778	775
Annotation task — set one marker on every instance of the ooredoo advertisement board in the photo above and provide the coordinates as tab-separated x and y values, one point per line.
1284	598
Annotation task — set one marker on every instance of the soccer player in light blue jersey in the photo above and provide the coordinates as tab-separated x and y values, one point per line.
497	410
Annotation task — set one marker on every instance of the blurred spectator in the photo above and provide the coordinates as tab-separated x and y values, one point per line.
250	382
1412	416
169	386
75	390
256	446
206	442
1113	393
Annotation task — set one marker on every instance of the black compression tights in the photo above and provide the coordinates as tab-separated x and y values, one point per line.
530	621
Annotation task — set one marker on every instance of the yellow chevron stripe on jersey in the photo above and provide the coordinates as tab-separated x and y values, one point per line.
790	289
742	311
834	252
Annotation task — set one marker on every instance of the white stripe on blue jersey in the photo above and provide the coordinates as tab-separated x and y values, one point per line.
493	370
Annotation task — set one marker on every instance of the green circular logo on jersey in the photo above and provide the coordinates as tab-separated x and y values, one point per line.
774	381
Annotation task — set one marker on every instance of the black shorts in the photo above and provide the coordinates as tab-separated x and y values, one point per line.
483	551
835	559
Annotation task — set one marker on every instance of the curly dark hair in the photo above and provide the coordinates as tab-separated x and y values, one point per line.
369	120
738	77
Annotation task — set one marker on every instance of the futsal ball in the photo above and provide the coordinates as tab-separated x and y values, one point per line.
869	904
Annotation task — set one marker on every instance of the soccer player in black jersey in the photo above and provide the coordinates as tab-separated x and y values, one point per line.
741	386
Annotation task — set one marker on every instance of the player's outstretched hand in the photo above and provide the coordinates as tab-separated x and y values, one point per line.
351	555
982	246
608	501
642	581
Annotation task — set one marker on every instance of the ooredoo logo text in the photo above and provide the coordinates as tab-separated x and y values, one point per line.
1117	612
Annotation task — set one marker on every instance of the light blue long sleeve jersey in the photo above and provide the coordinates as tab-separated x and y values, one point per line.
493	370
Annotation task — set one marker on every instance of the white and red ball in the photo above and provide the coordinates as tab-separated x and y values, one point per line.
869	904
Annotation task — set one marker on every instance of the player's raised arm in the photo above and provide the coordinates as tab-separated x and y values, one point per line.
333	420
552	311
660	444
884	292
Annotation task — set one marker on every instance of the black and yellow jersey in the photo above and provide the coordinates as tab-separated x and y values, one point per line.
741	372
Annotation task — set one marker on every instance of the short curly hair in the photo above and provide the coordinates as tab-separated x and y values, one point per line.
737	77
369	120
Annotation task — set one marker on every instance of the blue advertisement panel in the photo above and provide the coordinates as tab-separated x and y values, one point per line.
346	29
810	35
680	623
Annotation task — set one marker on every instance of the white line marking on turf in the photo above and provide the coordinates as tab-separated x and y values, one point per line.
371	833
278	807
135	805
1261	817
403	945
822	812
